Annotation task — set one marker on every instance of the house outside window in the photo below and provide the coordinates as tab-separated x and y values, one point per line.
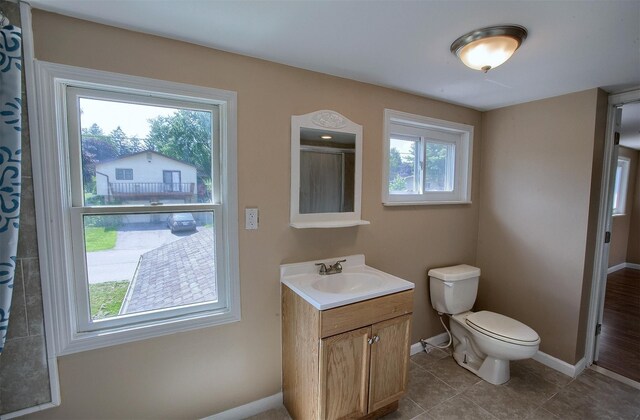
146	234
426	161
620	186
123	174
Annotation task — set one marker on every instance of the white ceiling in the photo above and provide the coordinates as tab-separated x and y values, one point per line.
572	45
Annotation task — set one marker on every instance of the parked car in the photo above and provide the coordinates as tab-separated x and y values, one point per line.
181	221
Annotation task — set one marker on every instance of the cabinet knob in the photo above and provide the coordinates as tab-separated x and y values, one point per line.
376	339
370	341
373	339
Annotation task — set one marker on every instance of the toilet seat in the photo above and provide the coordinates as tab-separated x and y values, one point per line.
502	328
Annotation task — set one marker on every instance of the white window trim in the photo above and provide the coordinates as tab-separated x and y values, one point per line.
461	134
52	188
623	187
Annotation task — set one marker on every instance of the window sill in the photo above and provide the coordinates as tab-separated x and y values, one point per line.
92	340
422	203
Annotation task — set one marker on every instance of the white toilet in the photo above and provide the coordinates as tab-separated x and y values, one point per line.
483	342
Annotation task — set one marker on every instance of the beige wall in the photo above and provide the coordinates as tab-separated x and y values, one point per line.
537	214
620	234
633	200
198	373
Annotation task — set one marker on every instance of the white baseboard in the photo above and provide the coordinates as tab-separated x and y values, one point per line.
560	365
616	268
275	401
621	266
250	409
547	360
29	410
436	340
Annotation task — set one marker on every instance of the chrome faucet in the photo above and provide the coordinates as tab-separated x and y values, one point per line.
332	269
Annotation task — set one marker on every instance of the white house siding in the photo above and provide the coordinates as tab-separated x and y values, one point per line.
147	167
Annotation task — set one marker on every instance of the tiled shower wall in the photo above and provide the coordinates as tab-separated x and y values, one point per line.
24	375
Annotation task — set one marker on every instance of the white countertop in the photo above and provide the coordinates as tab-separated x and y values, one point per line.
356	283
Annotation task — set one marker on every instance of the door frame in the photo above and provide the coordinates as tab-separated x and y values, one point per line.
601	255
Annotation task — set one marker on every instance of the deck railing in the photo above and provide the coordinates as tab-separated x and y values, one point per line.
151	188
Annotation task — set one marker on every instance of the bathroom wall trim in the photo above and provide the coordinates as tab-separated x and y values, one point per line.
560	365
250	409
621	266
436	340
632	265
275	401
547	360
29	75
615	268
29	410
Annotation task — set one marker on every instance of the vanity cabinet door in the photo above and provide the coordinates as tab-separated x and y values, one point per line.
344	375
389	361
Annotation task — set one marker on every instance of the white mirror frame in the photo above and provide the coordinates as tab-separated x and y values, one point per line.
333	121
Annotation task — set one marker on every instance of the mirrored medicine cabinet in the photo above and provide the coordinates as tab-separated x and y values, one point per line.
326	171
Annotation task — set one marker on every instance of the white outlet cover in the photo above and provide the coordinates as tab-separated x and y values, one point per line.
251	218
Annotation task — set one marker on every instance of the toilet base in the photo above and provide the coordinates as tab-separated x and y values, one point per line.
467	354
492	370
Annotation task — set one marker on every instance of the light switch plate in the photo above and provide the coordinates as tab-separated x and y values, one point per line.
251	218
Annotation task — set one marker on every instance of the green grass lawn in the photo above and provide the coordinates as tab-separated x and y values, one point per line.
106	298
99	238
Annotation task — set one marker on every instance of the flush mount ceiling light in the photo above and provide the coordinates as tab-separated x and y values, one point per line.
487	48
326	137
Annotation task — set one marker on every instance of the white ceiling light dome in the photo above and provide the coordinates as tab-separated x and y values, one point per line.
487	48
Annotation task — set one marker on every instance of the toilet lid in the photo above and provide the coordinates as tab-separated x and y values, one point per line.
503	328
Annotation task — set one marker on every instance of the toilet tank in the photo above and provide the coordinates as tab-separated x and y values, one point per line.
453	289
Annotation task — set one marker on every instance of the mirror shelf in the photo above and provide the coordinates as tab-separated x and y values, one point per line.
326	171
329	224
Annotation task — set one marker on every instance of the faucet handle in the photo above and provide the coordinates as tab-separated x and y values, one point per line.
337	266
323	268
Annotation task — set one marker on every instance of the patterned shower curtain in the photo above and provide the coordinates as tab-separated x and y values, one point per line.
10	127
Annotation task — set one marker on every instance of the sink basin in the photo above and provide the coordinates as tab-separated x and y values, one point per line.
347	283
356	283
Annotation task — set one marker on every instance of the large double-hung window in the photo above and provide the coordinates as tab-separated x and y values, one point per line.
427	161
142	234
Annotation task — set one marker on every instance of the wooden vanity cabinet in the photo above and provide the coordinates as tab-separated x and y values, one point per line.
349	362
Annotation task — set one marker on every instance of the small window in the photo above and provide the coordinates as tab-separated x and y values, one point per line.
620	187
123	174
427	161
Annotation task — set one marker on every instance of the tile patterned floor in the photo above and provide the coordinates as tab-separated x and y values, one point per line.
439	389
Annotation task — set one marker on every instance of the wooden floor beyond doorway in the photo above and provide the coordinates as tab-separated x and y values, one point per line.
620	340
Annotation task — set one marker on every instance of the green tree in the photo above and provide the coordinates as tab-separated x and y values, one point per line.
121	142
400	167
436	167
96	148
395	163
397	184
185	136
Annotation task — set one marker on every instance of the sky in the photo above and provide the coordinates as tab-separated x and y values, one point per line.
132	118
403	146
